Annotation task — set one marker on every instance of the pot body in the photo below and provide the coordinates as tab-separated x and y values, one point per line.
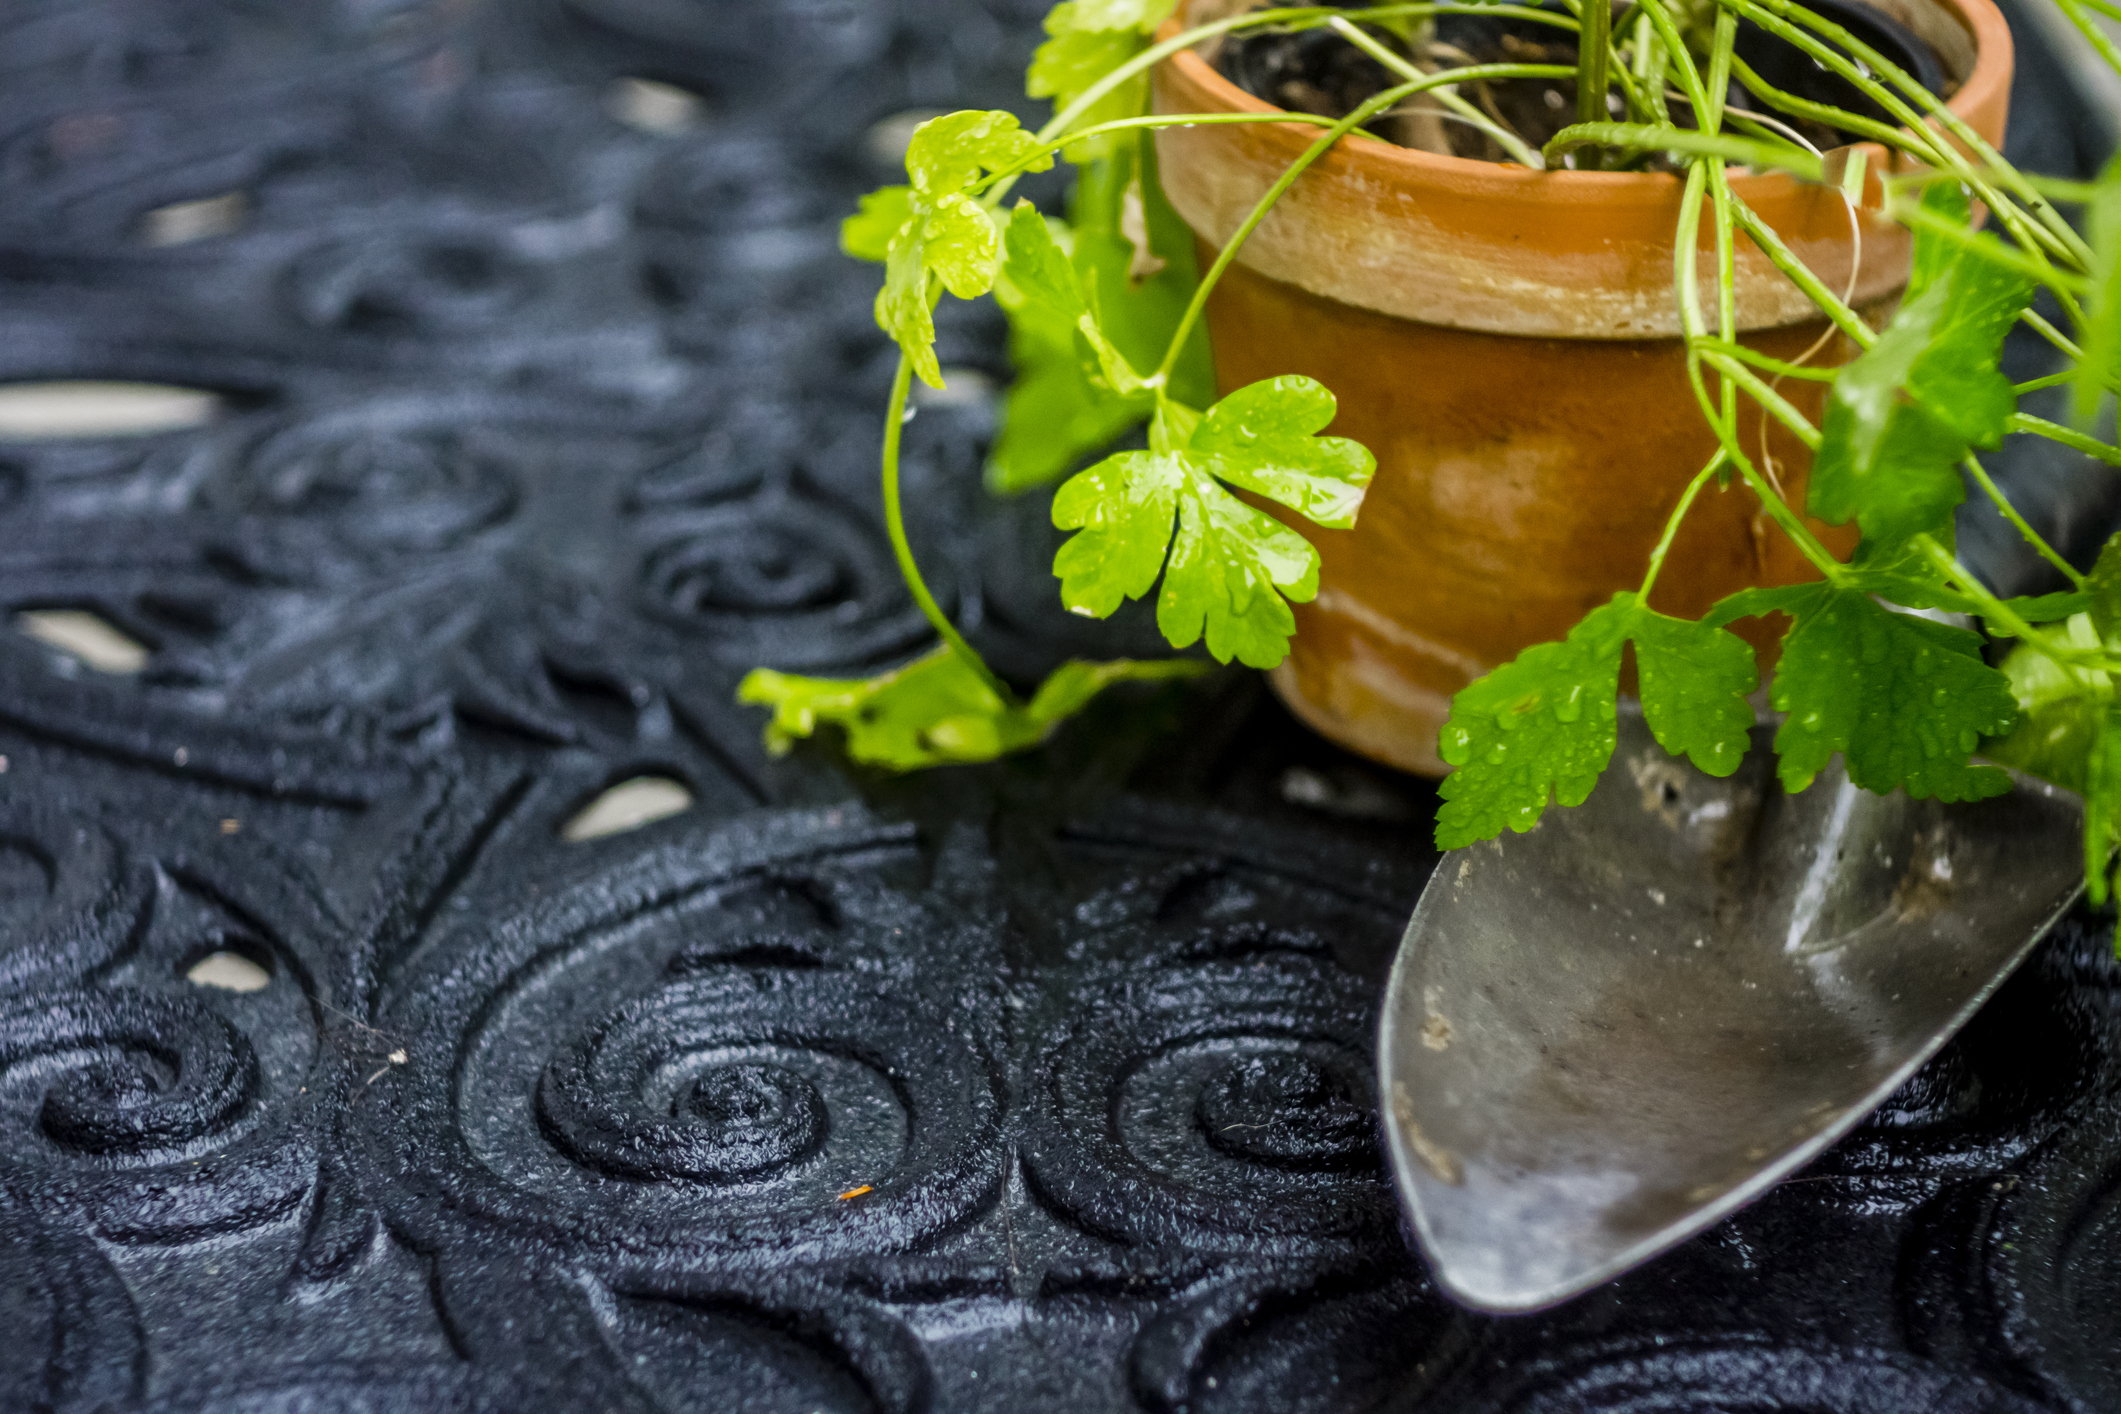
1506	342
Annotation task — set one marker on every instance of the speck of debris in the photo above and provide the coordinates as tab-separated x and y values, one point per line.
229	827
857	1192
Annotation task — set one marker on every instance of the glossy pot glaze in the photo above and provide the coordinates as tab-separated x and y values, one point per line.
1506	342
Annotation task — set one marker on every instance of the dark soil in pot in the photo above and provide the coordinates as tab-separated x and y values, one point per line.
1317	71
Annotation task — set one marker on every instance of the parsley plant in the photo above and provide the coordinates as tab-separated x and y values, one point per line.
1105	308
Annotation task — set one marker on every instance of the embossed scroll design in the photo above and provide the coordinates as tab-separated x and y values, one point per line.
701	1049
537	425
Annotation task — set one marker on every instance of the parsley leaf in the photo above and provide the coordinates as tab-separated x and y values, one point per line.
866	235
1086	40
1906	412
1905	700
1230	567
2061	713
1045	279
2070	733
1135	269
1541	727
935	710
933	229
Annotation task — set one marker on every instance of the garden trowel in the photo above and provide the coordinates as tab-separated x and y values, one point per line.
1603	1036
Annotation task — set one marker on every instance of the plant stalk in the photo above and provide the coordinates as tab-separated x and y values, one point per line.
1594	47
895	527
1369	109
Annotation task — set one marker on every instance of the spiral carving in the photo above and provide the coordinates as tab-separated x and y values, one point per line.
625	1101
792	577
126	1075
1221	1106
1286	1109
421	283
390	489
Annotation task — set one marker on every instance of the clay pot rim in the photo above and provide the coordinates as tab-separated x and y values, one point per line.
1410	167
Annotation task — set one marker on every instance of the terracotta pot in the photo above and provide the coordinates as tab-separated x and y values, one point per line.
1506	342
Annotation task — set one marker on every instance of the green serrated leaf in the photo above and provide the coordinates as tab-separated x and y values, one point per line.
866	235
1541	727
948	153
1791	599
935	710
960	246
1934	255
1227	562
1538	728
1905	701
1087	40
1229	569
1904	415
903	309
1264	437
1694	681
1065	403
2060	711
1124	507
2069	733
1038	269
941	232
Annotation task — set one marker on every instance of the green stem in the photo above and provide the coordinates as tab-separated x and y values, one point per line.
1718	85
1777	366
2093	35
1919	142
1676	53
2010	513
1830	304
1002	176
2039	325
1362	114
1841	56
1509	141
2056	432
2054	188
1649	68
1684	265
1647	137
1671	524
1918	217
1593	53
1739	375
1998	612
1726	279
895	527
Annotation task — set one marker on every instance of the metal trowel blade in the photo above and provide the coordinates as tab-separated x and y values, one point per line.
1602	1036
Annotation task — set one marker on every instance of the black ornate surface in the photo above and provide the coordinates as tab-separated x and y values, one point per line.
539	427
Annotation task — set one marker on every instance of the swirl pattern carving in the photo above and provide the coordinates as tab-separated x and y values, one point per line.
335	1075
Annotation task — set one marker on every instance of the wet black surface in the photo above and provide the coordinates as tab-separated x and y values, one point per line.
541	428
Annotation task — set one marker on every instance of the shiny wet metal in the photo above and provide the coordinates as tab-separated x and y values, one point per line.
1603	1036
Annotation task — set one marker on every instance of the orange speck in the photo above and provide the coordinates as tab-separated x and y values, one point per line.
858	1192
